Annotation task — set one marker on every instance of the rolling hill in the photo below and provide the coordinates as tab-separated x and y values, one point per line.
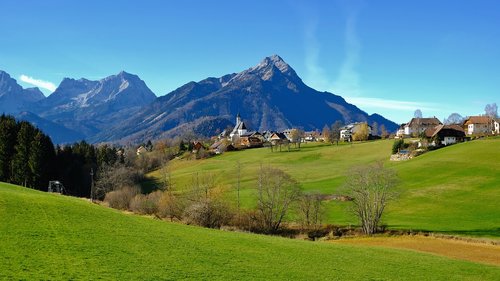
53	237
451	190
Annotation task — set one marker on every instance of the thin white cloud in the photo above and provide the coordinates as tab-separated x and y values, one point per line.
315	73
348	80
378	103
38	83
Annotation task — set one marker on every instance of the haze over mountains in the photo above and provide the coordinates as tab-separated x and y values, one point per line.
121	108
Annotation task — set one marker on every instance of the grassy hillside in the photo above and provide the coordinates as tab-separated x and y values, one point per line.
48	236
455	189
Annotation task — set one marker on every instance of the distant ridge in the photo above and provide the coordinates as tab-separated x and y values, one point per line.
121	108
269	96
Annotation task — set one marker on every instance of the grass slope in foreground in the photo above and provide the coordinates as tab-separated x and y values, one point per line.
47	236
455	189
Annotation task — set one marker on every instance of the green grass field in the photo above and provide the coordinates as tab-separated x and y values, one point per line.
53	237
452	190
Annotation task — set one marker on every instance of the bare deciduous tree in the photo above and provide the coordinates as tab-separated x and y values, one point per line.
491	110
383	132
170	206
207	207
454	118
326	134
335	132
371	188
296	136
276	191
311	209
375	128
417	113
115	177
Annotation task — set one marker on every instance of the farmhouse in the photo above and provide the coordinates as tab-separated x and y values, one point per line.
347	131
401	131
311	136
221	146
198	146
416	126
141	150
479	125
278	138
446	134
250	139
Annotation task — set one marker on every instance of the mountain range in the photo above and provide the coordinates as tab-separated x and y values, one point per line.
121	108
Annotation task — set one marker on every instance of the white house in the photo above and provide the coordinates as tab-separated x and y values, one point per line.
347	131
496	127
477	125
401	131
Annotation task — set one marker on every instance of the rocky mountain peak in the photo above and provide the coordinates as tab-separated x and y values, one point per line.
275	61
8	84
34	94
272	68
13	97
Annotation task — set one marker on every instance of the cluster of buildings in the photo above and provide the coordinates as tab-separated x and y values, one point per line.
241	137
432	128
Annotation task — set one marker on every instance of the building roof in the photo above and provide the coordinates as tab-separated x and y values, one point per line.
424	122
478	120
280	136
248	134
452	130
216	144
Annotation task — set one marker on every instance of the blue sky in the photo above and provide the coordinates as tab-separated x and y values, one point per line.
389	57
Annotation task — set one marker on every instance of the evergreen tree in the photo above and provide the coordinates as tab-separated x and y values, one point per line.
21	173
35	161
49	161
8	136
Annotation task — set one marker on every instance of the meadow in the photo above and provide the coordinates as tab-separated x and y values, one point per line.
452	190
53	237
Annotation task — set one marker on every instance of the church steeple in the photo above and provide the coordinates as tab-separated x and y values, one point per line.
238	119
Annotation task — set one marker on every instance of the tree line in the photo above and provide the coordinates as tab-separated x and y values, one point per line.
28	158
26	154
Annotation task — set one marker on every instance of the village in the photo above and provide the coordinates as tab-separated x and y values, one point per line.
425	132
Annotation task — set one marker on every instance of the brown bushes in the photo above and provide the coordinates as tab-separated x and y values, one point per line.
120	199
169	206
146	204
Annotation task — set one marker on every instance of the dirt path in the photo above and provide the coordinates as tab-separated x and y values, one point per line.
464	250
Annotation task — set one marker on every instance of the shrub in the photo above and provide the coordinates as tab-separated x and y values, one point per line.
397	145
146	204
120	199
208	213
250	221
169	206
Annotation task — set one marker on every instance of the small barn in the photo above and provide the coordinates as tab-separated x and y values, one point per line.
56	187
